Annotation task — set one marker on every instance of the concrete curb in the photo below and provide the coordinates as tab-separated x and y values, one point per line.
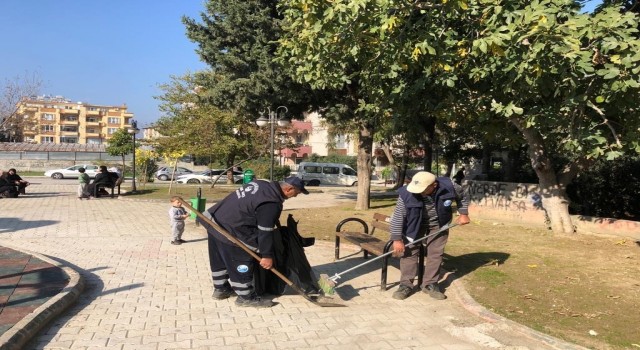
30	325
463	297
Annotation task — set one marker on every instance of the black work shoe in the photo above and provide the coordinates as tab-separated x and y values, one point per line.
221	294
434	291
256	302
403	292
176	242
182	240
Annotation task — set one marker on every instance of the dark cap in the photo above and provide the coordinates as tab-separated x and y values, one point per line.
297	183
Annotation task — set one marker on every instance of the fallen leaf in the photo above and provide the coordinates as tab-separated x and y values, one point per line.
636	345
532	266
613	296
592	332
621	242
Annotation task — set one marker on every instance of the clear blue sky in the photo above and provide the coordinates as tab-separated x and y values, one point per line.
103	52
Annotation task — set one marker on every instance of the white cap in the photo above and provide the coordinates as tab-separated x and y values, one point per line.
420	181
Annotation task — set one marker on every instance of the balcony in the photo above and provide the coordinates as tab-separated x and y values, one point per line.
69	112
68	133
96	113
64	121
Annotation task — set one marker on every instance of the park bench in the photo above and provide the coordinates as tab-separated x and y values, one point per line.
371	245
96	189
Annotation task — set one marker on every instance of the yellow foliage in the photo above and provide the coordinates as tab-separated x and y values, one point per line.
416	53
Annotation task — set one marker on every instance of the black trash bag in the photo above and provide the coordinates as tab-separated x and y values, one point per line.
290	260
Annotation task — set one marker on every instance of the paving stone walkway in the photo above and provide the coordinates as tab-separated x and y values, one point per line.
141	292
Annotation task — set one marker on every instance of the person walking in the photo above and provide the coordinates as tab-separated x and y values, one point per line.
83	184
250	215
177	216
423	206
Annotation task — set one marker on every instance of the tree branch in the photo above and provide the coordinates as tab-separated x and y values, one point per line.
605	121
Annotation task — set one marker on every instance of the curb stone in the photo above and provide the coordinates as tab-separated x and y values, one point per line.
457	286
25	329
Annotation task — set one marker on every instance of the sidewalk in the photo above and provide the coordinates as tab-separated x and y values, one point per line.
144	293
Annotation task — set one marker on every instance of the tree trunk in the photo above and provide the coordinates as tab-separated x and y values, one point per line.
365	147
392	161
555	202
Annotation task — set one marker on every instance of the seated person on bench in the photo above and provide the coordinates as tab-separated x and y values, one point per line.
14	178
7	189
103	179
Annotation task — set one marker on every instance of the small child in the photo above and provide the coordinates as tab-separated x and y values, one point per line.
83	187
177	215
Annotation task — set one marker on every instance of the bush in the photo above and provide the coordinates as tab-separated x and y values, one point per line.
608	189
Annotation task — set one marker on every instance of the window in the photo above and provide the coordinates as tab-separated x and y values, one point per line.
71	118
69	129
91	131
331	170
349	171
68	107
48	116
68	139
313	169
92	120
93	109
112	131
93	141
46	139
47	128
114	120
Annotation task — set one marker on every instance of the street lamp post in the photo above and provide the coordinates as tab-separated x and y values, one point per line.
273	119
133	130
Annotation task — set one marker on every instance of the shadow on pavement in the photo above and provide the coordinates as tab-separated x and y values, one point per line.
94	288
23	225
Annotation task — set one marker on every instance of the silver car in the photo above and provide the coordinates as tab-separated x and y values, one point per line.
72	171
164	173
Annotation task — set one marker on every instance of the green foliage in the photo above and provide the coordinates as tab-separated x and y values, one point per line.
120	144
238	39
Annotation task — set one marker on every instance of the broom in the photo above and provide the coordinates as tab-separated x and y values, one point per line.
328	284
319	300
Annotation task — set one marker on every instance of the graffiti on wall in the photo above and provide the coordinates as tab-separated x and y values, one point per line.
505	196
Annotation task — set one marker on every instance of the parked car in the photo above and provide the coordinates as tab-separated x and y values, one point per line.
72	171
314	174
164	173
208	176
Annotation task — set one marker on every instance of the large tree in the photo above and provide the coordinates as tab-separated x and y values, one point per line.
567	81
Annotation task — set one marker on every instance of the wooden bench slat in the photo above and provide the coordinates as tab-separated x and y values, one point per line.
380	225
357	237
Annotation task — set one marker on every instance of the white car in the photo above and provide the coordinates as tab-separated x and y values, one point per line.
208	176
72	171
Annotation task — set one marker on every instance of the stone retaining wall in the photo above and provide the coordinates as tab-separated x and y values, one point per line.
521	203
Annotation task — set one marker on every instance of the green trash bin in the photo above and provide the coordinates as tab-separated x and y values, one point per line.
198	204
247	176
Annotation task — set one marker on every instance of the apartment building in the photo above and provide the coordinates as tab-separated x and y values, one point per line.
54	119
